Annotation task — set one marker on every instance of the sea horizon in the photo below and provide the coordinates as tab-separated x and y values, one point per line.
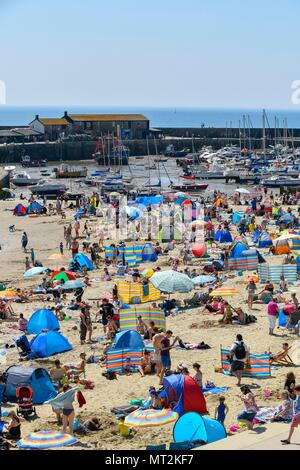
160	116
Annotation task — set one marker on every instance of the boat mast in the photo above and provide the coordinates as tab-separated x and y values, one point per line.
249	131
264	132
240	136
158	163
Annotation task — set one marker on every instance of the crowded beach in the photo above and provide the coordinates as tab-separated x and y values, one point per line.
123	320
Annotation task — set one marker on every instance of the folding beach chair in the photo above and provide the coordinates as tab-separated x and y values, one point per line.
282	359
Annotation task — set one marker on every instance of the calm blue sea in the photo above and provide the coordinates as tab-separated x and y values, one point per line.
159	117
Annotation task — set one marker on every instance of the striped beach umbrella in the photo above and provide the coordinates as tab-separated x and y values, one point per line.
224	292
150	418
46	440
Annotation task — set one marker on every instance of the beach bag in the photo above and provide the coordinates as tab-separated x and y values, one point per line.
240	351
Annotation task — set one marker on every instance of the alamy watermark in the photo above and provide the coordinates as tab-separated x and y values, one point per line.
164	222
295	97
2	92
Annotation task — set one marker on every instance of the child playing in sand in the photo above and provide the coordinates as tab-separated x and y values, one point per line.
127	368
125	430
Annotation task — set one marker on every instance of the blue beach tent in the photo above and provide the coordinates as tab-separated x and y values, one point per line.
148	253
223	236
42	320
82	261
128	339
265	240
192	427
34	208
48	343
36	378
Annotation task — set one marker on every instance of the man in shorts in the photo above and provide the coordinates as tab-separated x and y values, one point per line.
166	346
157	338
239	355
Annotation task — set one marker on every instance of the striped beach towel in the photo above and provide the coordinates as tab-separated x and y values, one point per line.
135	291
128	318
260	365
273	273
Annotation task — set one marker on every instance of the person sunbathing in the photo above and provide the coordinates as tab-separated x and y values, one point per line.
78	368
215	306
266	295
227	317
282	357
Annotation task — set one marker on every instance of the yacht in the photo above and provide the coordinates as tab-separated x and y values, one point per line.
46	188
281	181
22	178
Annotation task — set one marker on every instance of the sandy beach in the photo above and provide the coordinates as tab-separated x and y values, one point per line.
45	234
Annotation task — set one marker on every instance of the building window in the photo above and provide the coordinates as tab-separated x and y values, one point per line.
88	125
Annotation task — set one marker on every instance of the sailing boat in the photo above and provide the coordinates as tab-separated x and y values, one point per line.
150	185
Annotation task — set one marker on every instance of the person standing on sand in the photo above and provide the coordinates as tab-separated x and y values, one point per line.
85	325
74	247
251	288
24	241
239	355
165	348
157	338
273	311
32	255
296	416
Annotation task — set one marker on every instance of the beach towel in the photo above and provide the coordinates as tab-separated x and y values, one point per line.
215	390
63	398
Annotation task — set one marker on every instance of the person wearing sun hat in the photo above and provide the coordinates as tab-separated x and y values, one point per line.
251	288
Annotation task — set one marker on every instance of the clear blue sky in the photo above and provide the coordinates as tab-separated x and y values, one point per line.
206	53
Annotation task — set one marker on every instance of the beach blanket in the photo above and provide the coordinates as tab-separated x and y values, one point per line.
259	365
273	273
128	318
215	390
265	414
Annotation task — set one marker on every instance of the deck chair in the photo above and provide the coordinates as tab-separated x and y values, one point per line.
160	447
76	374
282	359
